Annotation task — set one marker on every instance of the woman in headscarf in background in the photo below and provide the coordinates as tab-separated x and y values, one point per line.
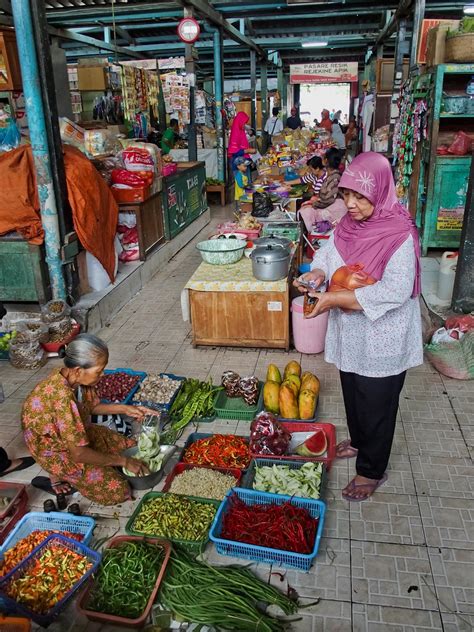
374	329
238	141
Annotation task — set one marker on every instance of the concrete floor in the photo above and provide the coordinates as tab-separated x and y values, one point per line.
402	561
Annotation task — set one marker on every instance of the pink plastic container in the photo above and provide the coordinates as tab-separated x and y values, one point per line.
309	334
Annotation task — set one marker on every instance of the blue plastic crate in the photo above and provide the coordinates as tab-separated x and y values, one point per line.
54	521
300	561
157	405
249	476
58	540
132	392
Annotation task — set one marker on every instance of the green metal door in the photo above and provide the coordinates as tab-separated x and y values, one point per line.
445	203
23	275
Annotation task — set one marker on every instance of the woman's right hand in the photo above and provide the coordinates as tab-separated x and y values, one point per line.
251	150
316	276
139	468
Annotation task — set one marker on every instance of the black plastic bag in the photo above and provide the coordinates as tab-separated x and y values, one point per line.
262	205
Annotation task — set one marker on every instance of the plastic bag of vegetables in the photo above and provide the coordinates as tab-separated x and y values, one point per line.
267	435
148	449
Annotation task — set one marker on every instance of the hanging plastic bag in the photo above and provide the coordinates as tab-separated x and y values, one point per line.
461	145
262	205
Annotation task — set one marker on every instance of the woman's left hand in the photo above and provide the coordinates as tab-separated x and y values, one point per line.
137	412
323	304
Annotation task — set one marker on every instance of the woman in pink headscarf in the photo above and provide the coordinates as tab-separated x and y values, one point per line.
374	327
238	141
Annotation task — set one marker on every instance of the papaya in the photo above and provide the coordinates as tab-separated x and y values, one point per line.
271	391
292	368
310	382
273	374
307	404
315	445
296	380
291	384
288	402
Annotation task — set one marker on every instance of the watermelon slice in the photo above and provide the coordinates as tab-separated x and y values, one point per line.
315	445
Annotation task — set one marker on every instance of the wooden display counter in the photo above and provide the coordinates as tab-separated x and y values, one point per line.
150	228
229	307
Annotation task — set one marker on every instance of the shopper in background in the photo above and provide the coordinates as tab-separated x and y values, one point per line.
238	141
329	204
274	124
374	331
57	432
8	466
168	140
294	121
241	179
338	136
326	122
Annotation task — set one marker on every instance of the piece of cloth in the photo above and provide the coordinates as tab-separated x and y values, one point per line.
53	419
329	191
373	241
274	126
167	141
385	338
315	182
332	213
338	136
293	122
94	210
371	405
4	460
241	181
367	116
238	138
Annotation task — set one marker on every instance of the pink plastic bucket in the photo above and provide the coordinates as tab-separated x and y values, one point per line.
309	334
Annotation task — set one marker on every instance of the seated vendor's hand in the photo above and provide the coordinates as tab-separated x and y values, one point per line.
316	276
251	150
138	412
139	468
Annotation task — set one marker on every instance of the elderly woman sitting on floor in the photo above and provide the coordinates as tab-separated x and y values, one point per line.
76	453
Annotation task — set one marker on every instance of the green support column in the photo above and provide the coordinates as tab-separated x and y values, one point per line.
264	92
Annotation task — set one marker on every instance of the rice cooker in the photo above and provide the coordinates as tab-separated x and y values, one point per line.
270	263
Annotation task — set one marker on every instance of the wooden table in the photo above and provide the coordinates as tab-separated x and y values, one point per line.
229	307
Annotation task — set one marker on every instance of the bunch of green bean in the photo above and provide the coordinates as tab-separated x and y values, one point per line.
126	578
176	517
225	597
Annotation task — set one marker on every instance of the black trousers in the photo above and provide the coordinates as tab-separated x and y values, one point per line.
371	409
4	460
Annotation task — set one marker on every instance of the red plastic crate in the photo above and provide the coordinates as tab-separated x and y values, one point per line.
294	427
16	512
181	467
92	615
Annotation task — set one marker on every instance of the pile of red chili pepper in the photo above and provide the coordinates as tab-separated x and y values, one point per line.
284	527
23	548
48	578
219	451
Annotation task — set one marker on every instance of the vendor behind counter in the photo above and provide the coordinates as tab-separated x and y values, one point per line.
314	176
168	139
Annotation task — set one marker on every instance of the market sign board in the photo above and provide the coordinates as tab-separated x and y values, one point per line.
336	72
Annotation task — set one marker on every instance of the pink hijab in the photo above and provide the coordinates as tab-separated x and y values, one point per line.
373	242
238	137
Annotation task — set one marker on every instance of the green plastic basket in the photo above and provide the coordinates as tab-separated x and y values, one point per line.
192	545
235	408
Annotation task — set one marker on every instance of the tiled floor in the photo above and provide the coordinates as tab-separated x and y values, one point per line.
401	562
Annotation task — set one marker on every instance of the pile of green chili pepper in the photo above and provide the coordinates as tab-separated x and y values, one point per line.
126	578
176	517
225	597
194	402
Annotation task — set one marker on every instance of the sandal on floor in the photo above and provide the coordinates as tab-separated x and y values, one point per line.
26	461
345	446
371	487
44	483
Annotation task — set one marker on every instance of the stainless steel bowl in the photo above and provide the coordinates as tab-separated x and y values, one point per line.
149	481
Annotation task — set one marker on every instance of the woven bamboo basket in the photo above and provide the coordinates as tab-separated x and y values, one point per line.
460	48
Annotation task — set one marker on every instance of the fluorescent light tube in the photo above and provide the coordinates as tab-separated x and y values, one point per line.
313	44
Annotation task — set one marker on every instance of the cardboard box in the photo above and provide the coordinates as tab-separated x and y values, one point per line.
91	78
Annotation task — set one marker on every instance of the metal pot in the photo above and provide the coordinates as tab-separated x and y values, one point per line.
270	263
281	242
